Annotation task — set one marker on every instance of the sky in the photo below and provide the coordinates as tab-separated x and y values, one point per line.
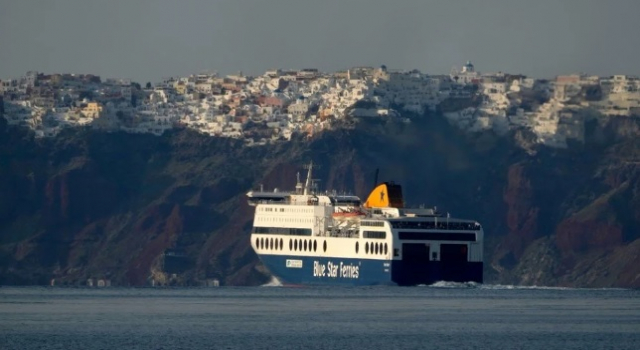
148	40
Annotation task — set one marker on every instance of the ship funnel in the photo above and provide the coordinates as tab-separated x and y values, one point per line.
386	194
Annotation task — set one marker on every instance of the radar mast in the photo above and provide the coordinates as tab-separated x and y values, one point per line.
307	185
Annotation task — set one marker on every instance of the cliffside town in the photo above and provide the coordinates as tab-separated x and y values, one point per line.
274	106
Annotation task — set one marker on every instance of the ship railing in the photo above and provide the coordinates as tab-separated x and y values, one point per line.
261	201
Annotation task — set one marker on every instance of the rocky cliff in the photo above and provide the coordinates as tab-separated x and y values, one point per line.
90	204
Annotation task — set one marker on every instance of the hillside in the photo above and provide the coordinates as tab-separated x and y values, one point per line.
91	204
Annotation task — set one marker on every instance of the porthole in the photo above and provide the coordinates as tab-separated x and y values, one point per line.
271	244
357	247
281	244
261	243
366	248
386	249
305	245
257	242
300	244
324	246
375	248
315	245
295	244
290	244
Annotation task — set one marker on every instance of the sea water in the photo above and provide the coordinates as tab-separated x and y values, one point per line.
442	316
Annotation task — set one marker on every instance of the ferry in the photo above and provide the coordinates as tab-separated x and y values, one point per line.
306	237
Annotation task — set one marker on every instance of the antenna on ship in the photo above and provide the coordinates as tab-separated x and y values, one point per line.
315	188
307	184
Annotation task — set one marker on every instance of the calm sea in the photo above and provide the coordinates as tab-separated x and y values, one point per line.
445	316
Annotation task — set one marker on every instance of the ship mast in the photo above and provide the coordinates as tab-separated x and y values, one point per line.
307	185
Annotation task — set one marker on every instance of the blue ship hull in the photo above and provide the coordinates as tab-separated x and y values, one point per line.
321	270
353	272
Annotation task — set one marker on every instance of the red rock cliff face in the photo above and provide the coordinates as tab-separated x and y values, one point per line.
109	205
156	231
574	236
78	193
522	211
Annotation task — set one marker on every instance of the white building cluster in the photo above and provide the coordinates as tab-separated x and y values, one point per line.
556	110
280	103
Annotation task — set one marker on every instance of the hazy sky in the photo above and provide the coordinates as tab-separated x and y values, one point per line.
147	40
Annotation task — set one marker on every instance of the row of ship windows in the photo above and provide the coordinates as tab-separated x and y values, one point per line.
286	219
289	231
437	236
442	225
372	223
374	234
373	248
312	245
294	244
307	232
286	210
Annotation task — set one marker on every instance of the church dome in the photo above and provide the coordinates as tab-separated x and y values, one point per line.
468	67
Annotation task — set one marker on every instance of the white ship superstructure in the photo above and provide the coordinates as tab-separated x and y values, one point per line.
306	237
